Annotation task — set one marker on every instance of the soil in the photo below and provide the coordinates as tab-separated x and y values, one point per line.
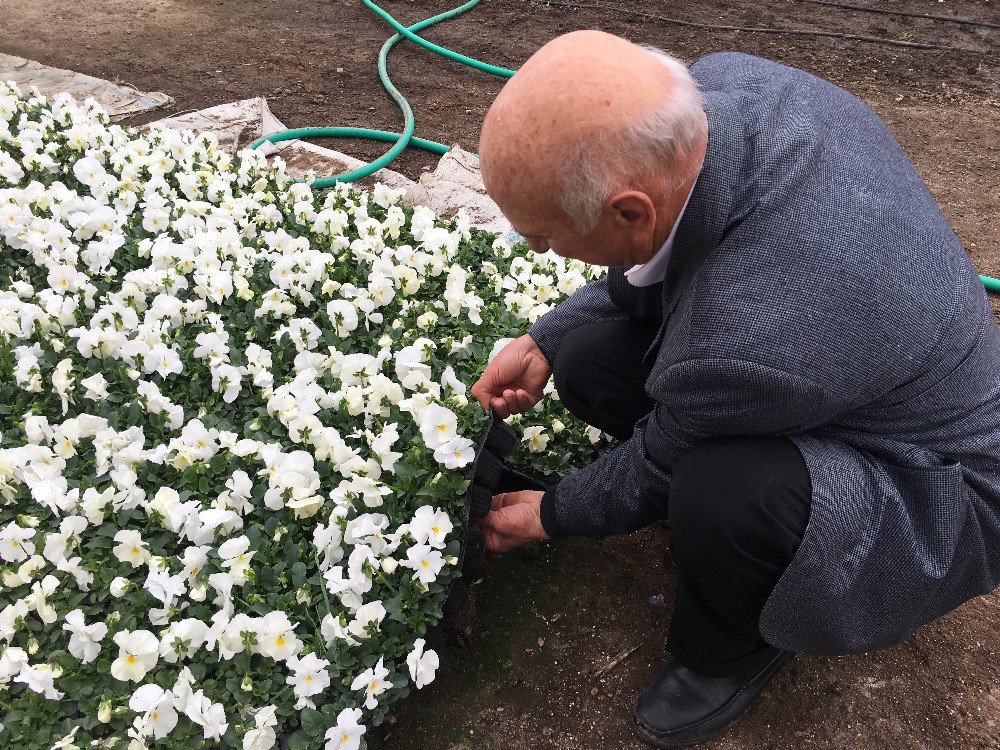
517	668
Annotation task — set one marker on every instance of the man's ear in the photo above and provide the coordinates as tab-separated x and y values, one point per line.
633	211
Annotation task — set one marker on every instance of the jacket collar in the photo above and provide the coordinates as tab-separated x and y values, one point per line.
709	209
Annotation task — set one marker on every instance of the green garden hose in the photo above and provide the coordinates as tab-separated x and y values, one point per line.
406	138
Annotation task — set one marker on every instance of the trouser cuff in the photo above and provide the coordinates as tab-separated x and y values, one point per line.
748	664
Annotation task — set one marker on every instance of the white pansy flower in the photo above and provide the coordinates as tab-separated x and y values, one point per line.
12	660
536	437
15	543
164	587
131	548
373	682
425	561
346	735
38	599
183	639
310	676
96	387
236	555
456	453
139	653
211	717
41	679
276	636
422	664
85	640
367	615
156	705
262	736
430	526
437	425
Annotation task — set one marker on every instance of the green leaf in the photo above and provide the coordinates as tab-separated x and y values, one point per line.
299	740
314	724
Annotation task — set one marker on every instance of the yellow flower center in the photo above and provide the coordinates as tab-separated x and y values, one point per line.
281	640
130	659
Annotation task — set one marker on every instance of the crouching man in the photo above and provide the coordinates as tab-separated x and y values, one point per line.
791	345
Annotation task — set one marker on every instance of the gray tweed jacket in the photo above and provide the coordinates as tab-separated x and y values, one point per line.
816	291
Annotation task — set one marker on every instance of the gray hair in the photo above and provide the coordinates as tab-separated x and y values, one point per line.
656	145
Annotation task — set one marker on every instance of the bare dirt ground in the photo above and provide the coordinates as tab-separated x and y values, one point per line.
516	670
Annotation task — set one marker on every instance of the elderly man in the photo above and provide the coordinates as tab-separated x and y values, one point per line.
791	345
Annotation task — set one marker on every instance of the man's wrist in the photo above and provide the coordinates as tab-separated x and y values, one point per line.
547	512
540	342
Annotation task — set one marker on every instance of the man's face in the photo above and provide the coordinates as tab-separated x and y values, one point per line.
544	228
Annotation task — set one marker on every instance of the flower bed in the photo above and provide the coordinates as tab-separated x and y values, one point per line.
235	436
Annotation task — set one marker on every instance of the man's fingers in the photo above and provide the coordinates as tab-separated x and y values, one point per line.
505	499
502	500
524	399
500	407
482	393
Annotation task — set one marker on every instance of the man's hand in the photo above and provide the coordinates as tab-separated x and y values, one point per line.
513	521
513	382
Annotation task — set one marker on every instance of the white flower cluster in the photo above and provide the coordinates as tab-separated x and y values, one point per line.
233	424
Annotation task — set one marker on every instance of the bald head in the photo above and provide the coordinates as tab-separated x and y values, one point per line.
578	102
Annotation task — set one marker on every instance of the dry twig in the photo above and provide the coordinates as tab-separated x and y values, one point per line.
615	662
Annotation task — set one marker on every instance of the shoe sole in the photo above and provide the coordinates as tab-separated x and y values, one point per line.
651	739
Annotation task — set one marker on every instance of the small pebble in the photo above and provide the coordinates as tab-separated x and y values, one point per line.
657	601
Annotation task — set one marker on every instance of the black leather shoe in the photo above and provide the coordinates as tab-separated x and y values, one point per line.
683	708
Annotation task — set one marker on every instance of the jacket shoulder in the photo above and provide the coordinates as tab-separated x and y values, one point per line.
732	67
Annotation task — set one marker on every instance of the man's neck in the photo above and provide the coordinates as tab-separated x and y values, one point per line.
667	214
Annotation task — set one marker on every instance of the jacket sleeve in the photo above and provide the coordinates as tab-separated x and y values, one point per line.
628	487
588	304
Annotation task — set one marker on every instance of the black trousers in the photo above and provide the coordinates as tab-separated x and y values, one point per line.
737	506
